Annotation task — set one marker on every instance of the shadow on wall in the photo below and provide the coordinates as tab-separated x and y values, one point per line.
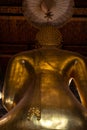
2	110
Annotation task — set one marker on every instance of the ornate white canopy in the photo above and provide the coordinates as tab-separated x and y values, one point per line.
52	12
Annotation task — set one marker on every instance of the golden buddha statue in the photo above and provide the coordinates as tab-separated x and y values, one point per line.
36	90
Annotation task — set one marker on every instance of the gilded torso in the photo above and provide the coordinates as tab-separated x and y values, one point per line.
37	95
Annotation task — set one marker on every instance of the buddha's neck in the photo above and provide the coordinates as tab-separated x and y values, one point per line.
49	36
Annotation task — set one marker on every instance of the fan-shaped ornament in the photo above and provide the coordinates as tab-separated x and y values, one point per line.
51	12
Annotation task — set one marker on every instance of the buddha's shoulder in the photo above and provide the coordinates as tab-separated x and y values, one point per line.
47	53
64	54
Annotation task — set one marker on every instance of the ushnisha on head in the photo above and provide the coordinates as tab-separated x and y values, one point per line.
49	36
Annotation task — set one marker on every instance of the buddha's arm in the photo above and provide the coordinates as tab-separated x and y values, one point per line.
79	74
19	76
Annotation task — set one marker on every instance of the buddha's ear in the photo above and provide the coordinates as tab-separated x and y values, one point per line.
19	76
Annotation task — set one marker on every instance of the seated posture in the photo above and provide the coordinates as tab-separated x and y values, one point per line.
36	90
